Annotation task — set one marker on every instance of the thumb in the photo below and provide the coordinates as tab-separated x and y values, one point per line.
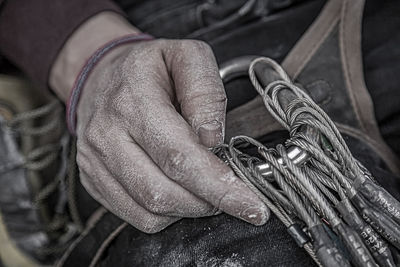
199	89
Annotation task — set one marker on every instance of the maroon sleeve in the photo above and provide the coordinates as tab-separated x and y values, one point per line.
33	31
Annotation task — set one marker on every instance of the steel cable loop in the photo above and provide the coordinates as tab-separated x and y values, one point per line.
288	117
270	63
283	116
308	145
298	204
311	210
306	115
316	180
274	192
330	131
242	175
310	189
340	150
282	214
322	176
276	166
260	183
275	208
259	179
254	176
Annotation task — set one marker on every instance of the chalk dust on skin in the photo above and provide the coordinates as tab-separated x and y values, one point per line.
233	261
179	255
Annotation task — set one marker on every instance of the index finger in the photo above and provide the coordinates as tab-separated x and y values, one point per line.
172	144
199	88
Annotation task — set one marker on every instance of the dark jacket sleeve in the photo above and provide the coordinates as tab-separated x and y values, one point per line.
33	31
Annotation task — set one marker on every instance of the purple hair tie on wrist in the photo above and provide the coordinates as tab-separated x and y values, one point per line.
87	68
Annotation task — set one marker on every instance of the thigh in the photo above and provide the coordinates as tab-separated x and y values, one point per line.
214	241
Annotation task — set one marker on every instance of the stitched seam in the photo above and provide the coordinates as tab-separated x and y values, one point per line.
346	67
378	146
315	48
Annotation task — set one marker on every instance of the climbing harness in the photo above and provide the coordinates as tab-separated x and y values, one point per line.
329	202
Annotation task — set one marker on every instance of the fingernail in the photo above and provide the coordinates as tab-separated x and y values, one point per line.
256	215
211	133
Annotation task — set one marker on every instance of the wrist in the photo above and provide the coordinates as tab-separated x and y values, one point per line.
94	87
83	43
89	66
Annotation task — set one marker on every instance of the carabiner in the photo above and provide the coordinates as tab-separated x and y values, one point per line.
239	67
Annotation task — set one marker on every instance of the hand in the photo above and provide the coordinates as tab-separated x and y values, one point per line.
147	114
146	117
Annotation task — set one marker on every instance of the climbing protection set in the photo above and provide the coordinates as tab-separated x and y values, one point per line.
329	202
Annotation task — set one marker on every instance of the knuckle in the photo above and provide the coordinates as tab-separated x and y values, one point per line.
173	164
156	202
218	95
223	199
96	138
123	105
227	196
209	107
92	135
211	99
156	208
117	99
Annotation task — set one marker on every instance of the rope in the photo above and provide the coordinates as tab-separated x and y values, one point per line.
35	125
